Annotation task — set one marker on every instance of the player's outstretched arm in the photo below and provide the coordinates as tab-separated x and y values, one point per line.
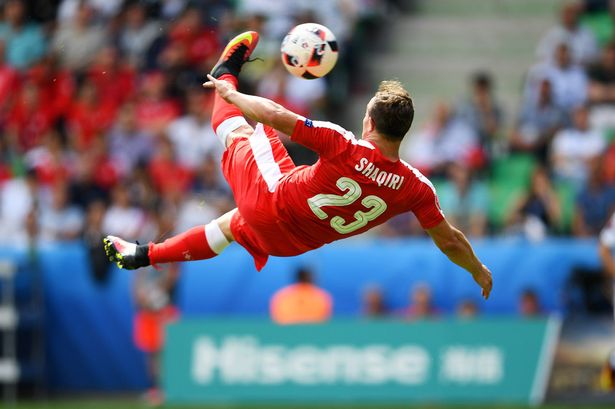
457	248
259	109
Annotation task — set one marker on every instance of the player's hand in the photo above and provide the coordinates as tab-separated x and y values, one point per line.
484	280
224	88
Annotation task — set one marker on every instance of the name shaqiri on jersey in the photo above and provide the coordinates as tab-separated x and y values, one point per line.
381	177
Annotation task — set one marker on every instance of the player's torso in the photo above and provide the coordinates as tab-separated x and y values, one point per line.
345	196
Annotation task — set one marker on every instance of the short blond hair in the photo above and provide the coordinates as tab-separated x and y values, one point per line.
392	110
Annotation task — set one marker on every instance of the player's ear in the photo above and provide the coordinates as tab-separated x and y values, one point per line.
371	125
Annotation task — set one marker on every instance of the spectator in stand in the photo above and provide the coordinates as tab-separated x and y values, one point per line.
421	306
9	83
168	176
465	200
373	303
115	81
155	109
602	89
302	302
128	145
106	171
122	217
105	9
594	203
529	304
29	119
192	134
198	42
137	33
7	162
94	175
482	111
538	211
53	163
60	221
569	80
78	41
171	9
584	46
18	197
56	85
446	138
575	147
25	41
142	187
88	117
537	123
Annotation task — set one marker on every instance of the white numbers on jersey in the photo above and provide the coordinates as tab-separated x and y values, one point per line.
352	190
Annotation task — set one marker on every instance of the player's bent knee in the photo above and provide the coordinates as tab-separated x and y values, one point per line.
224	223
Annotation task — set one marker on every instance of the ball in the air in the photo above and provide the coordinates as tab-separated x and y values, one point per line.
309	51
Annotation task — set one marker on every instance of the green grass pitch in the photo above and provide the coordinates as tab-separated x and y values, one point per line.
132	404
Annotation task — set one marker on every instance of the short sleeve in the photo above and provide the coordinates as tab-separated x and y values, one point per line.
426	207
325	138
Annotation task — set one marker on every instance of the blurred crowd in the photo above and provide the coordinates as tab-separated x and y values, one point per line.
105	127
548	169
104	124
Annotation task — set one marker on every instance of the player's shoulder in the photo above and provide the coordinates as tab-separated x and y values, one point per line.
331	127
416	174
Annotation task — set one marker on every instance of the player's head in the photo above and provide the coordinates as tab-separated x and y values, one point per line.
390	112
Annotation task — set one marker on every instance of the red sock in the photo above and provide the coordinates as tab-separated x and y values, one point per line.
198	243
223	110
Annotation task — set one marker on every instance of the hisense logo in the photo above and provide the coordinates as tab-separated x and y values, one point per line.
244	360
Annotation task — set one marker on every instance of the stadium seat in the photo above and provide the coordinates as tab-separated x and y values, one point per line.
514	170
503	197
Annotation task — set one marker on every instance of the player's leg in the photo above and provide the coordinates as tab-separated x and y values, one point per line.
227	120
198	243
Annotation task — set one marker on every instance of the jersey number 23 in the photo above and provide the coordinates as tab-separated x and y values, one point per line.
374	206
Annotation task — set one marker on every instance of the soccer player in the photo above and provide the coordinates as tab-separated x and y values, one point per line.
285	210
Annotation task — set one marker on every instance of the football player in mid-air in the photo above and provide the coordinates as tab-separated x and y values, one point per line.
285	210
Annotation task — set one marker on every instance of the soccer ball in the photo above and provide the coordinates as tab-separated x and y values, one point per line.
309	51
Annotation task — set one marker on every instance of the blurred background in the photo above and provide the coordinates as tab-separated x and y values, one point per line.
105	129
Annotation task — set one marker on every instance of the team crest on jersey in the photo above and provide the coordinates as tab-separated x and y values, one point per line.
308	123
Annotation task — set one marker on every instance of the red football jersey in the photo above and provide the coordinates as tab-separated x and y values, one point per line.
351	189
